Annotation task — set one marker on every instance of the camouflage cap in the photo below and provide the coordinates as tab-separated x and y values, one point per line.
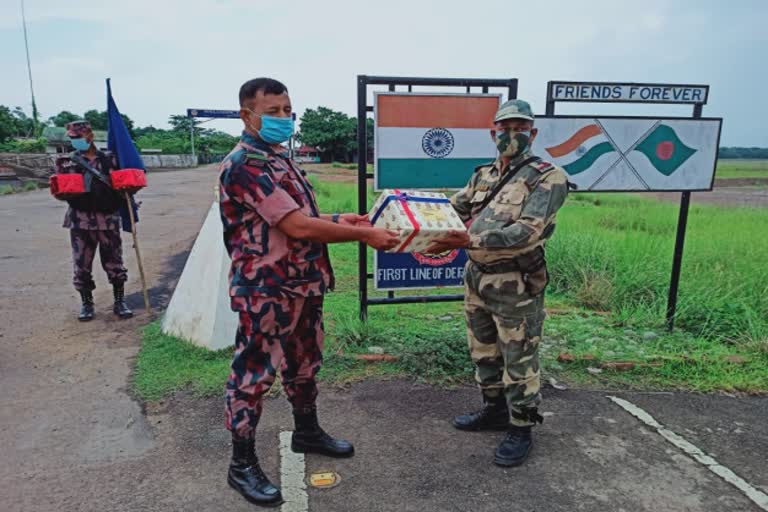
79	128
514	109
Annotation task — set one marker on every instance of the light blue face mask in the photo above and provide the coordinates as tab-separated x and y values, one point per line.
275	130
80	144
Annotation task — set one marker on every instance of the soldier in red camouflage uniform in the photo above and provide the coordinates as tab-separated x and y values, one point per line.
277	239
94	222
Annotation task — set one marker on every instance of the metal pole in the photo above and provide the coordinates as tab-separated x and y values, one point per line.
192	134
550	107
138	253
362	190
29	72
677	260
512	89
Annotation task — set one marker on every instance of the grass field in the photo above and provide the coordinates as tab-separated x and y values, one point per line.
12	189
610	262
742	169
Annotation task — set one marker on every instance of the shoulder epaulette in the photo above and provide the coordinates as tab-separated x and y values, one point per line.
256	159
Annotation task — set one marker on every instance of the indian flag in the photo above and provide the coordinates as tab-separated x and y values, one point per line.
428	141
582	149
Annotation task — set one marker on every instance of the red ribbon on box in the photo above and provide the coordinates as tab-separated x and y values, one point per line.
128	179
403	198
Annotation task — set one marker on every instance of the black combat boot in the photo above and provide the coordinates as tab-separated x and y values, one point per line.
86	310
246	477
310	438
515	447
120	308
493	416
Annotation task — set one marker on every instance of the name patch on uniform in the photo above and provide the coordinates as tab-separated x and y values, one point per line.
543	166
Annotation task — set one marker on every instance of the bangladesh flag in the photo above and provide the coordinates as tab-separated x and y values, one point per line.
665	150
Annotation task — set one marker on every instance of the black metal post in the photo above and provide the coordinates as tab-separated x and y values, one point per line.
362	190
512	92
550	107
677	259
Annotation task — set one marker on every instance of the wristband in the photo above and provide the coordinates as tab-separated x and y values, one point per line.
335	218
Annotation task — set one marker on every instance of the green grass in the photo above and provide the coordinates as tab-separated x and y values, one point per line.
610	253
11	189
339	165
742	169
167	364
614	252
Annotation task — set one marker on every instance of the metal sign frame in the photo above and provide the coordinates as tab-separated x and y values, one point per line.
685	197
649	118
376	186
554	83
363	82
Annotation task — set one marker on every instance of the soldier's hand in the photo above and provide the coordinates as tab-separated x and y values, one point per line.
353	219
382	239
452	240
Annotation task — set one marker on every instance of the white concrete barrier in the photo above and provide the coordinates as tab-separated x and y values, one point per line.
199	310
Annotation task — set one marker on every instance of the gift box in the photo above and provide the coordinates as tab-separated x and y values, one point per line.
420	217
128	179
67	185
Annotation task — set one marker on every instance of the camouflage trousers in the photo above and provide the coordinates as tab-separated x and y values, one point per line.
274	333
110	245
504	326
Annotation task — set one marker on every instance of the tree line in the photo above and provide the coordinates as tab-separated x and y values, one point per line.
332	132
18	133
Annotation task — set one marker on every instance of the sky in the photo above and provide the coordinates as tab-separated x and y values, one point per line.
165	56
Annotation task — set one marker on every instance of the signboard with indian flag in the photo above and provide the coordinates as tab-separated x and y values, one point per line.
631	153
431	141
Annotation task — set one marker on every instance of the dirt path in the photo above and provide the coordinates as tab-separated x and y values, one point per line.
73	439
64	404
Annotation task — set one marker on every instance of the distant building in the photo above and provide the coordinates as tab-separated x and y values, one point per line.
307	154
58	142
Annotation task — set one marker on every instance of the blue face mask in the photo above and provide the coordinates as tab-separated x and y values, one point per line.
80	144
275	130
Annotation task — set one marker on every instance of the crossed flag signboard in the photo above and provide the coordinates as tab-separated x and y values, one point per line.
632	153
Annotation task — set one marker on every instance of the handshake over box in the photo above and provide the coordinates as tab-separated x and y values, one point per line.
420	217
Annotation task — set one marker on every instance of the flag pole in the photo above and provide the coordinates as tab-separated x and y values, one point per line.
138	253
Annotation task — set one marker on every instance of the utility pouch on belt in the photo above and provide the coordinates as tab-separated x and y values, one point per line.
532	265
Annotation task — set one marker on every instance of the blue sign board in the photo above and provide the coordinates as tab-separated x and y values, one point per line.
398	271
216	114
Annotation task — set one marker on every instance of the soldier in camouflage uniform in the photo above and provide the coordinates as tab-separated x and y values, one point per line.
277	239
94	222
506	276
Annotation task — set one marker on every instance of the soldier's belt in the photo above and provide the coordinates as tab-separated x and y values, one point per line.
526	263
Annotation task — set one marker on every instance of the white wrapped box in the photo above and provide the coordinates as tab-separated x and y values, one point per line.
420	217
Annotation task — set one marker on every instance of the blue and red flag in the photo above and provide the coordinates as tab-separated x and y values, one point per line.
120	143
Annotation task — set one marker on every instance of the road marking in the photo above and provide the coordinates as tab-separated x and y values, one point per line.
292	472
758	497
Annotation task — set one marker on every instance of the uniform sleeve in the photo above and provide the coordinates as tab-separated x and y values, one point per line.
461	200
255	189
537	214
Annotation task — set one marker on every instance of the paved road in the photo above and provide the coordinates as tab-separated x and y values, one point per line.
72	438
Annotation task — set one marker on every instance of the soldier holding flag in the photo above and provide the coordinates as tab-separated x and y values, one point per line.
93	220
